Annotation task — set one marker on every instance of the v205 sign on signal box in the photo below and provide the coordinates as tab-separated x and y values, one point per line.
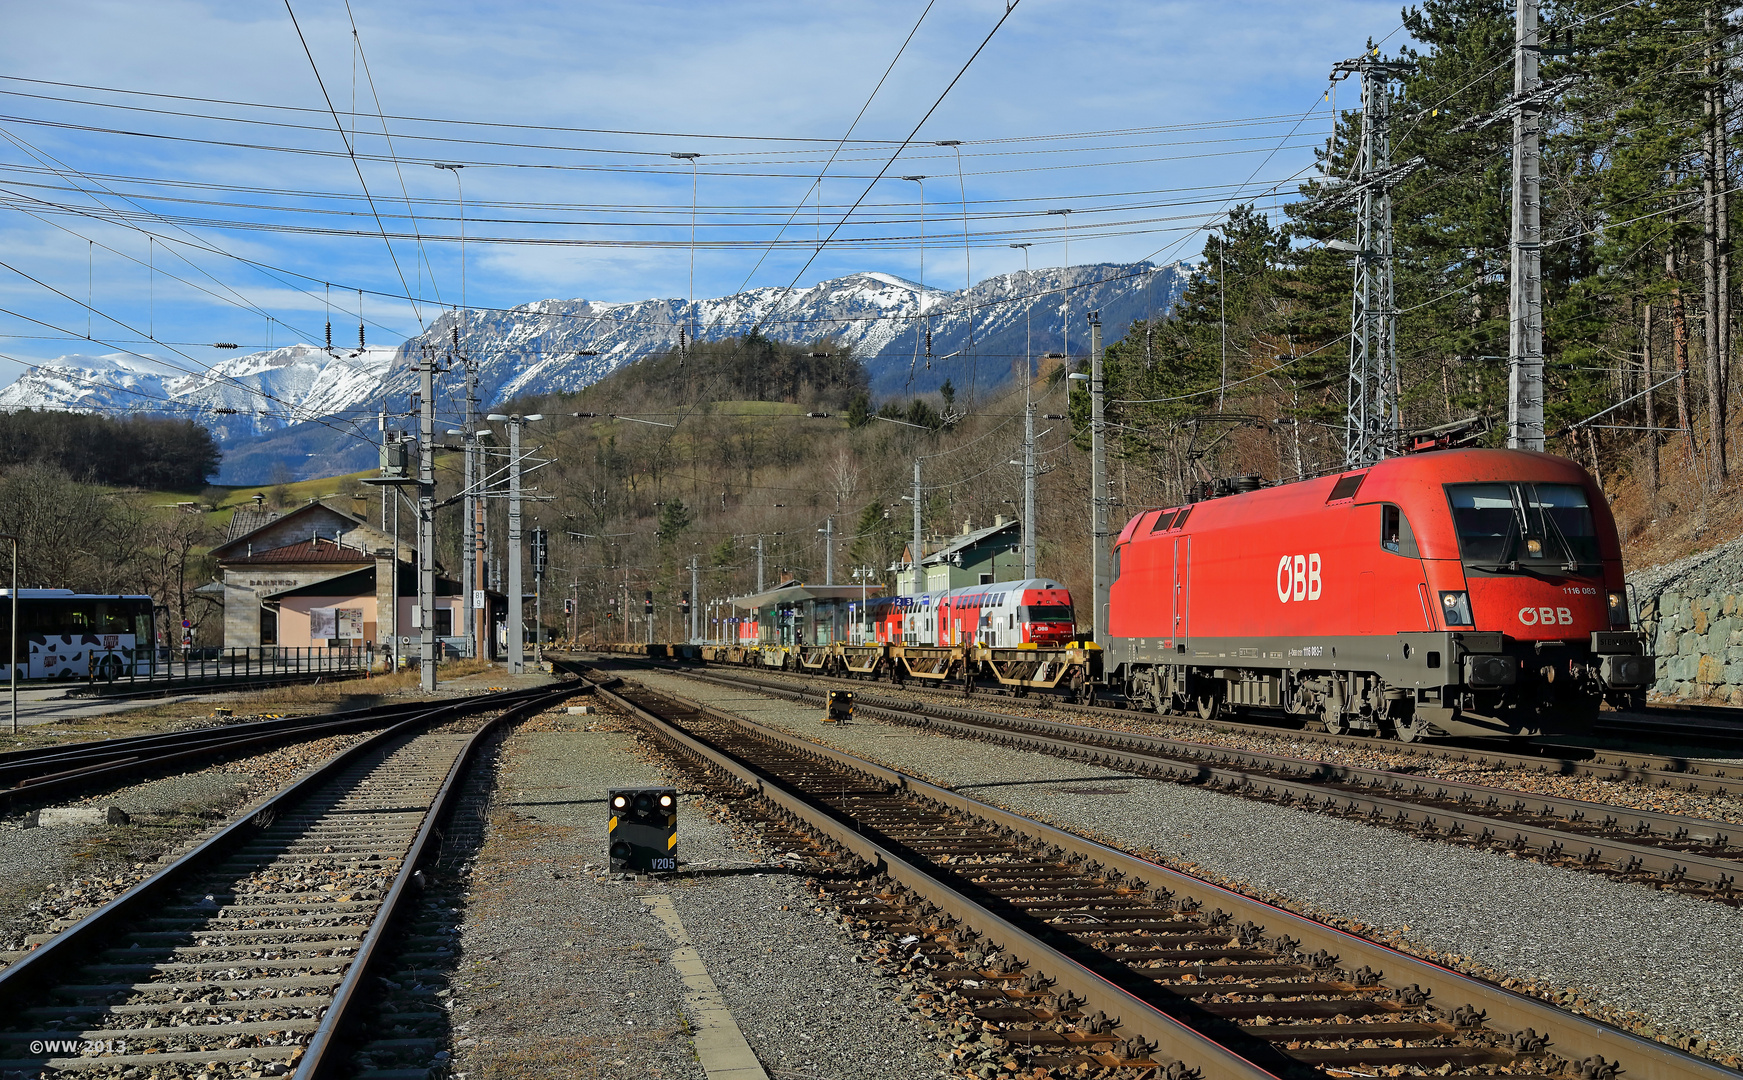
644	829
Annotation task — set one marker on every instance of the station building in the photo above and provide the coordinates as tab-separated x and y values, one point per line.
972	557
321	576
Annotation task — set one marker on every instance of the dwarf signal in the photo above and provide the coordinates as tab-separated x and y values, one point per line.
644	829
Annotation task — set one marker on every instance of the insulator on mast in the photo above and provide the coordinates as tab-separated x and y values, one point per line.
329	335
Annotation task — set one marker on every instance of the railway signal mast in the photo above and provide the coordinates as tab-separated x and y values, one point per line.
1374	420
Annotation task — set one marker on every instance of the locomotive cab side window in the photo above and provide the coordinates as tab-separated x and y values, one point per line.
1395	534
1164	521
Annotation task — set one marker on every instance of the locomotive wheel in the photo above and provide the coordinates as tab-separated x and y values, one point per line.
1408	729
1333	719
1208	706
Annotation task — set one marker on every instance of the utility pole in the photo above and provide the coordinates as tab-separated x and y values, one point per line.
426	520
1716	240
515	660
1098	479
472	474
1028	486
516	617
828	531
1374	419
919	574
1525	293
759	564
481	612
1028	433
695	595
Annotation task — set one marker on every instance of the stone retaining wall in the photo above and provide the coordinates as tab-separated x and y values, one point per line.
1692	612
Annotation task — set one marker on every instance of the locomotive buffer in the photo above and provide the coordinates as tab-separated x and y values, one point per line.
644	829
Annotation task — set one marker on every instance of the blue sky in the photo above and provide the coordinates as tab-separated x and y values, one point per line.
1143	119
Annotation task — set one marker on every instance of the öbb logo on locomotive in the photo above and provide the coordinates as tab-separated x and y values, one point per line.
1298	577
1547	616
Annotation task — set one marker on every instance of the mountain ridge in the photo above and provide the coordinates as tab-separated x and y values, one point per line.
299	407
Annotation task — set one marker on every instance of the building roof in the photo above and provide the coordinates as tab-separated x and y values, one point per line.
960	543
318	550
236	539
793	591
249	519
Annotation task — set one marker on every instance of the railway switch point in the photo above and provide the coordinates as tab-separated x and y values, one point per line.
644	829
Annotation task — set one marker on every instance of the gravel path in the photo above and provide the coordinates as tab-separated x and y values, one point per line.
564	972
1601	947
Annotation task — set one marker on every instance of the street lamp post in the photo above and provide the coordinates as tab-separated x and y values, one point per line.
1064	286
691	158
12	642
921	180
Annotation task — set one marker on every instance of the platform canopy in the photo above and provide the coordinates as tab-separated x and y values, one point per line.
794	592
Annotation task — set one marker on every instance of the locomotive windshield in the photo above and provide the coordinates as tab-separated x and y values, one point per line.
1511	526
1046	613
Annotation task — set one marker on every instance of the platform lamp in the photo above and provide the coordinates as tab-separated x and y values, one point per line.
12	643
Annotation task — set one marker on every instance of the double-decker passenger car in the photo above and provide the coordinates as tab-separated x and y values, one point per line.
1003	614
1461	592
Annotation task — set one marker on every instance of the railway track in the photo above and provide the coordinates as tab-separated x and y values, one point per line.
1056	952
1624	766
1694	856
250	954
30	775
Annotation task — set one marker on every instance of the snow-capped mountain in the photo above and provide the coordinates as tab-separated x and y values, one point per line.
976	336
236	398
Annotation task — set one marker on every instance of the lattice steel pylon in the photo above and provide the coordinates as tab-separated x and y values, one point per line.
1374	420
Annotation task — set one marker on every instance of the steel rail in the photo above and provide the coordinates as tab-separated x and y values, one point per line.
1571	1035
83	764
1302	781
1172	1038
1682	772
326	1054
27	980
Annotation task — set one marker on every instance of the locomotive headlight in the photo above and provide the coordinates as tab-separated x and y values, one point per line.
1618	610
1455	608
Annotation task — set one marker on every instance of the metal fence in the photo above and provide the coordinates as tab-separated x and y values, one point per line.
264	661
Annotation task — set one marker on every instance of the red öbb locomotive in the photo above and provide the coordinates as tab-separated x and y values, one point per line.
1462	592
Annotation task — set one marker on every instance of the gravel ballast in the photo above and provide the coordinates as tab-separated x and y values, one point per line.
565	971
1673	961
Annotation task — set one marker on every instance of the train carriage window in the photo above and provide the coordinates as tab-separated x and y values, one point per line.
1164	522
1181	520
1346	487
1395	534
